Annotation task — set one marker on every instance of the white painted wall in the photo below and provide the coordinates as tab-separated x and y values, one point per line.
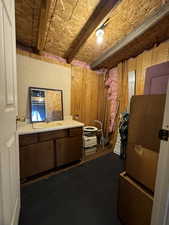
36	73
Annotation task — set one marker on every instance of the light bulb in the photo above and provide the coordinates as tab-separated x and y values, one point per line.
99	35
99	40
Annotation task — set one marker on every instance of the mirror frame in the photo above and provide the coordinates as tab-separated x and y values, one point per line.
30	103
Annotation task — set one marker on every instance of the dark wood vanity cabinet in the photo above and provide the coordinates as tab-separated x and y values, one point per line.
67	150
36	158
44	151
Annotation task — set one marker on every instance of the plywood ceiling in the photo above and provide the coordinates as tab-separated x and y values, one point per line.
67	17
68	20
27	21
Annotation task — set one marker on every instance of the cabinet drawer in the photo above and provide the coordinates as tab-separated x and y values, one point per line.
52	135
77	131
28	139
36	158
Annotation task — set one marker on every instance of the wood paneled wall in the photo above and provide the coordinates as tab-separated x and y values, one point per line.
148	58
88	95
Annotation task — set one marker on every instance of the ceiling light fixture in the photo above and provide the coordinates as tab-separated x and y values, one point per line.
100	31
99	35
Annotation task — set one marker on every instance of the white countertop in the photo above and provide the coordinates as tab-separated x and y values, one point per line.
28	128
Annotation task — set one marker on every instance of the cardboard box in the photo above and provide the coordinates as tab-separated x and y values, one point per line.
142	165
146	119
134	204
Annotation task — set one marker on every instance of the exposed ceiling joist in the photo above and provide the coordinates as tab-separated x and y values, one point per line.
43	23
101	10
155	29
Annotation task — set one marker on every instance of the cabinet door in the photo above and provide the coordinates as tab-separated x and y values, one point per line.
36	158
68	150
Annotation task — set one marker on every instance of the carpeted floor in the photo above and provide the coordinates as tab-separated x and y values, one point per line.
85	195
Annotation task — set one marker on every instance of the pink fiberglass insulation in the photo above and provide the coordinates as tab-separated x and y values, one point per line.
62	60
51	56
74	62
112	84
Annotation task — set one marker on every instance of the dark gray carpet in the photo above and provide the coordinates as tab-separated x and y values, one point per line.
85	195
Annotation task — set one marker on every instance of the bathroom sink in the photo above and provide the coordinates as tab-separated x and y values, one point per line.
47	125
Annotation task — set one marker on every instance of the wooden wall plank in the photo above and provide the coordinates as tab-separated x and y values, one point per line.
139	71
146	62
87	95
76	93
125	86
132	64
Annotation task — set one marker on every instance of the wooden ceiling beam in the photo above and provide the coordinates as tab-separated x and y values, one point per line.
43	24
101	10
153	30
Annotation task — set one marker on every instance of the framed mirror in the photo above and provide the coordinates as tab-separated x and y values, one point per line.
45	104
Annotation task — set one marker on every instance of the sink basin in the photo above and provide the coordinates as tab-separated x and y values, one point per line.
47	125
